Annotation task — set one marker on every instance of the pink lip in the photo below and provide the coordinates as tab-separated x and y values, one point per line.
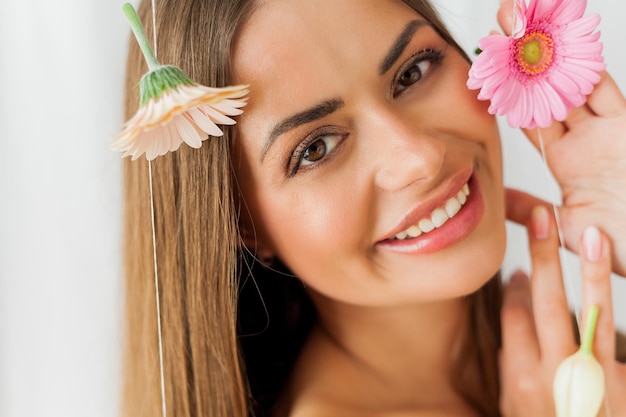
454	230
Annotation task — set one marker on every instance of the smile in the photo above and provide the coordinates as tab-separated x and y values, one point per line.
438	217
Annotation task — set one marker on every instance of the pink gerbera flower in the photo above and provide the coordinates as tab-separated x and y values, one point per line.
173	108
547	67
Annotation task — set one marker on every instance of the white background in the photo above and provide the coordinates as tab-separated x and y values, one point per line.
61	76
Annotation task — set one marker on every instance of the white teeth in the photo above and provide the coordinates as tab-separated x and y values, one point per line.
438	217
413	231
402	235
426	225
461	197
452	207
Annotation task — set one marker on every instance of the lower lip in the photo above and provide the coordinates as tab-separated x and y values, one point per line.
454	230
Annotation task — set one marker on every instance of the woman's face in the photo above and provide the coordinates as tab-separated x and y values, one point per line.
358	135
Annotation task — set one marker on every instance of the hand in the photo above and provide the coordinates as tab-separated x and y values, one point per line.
587	156
537	328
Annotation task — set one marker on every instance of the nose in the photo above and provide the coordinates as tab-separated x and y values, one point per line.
405	152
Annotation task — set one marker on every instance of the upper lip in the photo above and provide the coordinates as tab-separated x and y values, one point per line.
448	189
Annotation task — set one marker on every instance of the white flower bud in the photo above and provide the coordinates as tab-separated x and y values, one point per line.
579	379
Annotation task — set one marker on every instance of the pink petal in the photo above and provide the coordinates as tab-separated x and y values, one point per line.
586	50
491	84
538	10
494	43
564	85
568	10
504	97
521	115
581	27
542	114
593	65
585	78
519	9
482	68
584	86
557	107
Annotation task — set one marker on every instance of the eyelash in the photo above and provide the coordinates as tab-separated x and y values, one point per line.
432	56
297	156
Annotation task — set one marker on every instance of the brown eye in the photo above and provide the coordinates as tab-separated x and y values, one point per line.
415	70
314	152
410	76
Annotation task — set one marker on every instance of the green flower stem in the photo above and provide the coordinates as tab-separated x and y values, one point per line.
140	34
590	330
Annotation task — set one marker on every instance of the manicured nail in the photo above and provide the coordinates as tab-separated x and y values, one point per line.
540	222
518	275
592	244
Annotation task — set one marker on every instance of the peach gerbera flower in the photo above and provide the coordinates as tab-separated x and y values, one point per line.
547	67
174	109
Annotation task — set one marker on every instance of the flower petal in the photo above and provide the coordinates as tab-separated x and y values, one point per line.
187	132
568	10
205	123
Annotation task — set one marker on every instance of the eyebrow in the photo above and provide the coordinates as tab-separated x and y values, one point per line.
329	106
307	116
400	44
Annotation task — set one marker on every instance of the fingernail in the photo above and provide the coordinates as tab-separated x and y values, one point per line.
518	275
540	222
592	244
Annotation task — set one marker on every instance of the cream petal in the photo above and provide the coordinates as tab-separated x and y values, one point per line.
228	107
173	138
187	132
216	116
204	123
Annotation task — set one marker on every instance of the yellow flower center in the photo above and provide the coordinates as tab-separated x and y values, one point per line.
535	52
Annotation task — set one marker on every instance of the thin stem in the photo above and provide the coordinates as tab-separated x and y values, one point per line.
140	34
590	329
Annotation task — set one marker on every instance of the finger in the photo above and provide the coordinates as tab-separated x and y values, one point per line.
550	309
519	205
548	135
505	16
519	339
578	115
596	282
606	99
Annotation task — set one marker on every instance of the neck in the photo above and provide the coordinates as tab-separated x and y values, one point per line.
400	347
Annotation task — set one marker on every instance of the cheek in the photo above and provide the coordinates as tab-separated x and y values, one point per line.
306	224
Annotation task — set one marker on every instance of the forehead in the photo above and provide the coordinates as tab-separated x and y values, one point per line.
308	49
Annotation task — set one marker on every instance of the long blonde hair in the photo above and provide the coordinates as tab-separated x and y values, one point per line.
196	226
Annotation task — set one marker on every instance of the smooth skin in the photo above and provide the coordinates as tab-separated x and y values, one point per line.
536	322
325	193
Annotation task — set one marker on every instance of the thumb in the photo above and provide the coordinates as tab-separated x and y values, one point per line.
505	16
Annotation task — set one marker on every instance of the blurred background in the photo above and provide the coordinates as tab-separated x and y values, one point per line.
61	77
